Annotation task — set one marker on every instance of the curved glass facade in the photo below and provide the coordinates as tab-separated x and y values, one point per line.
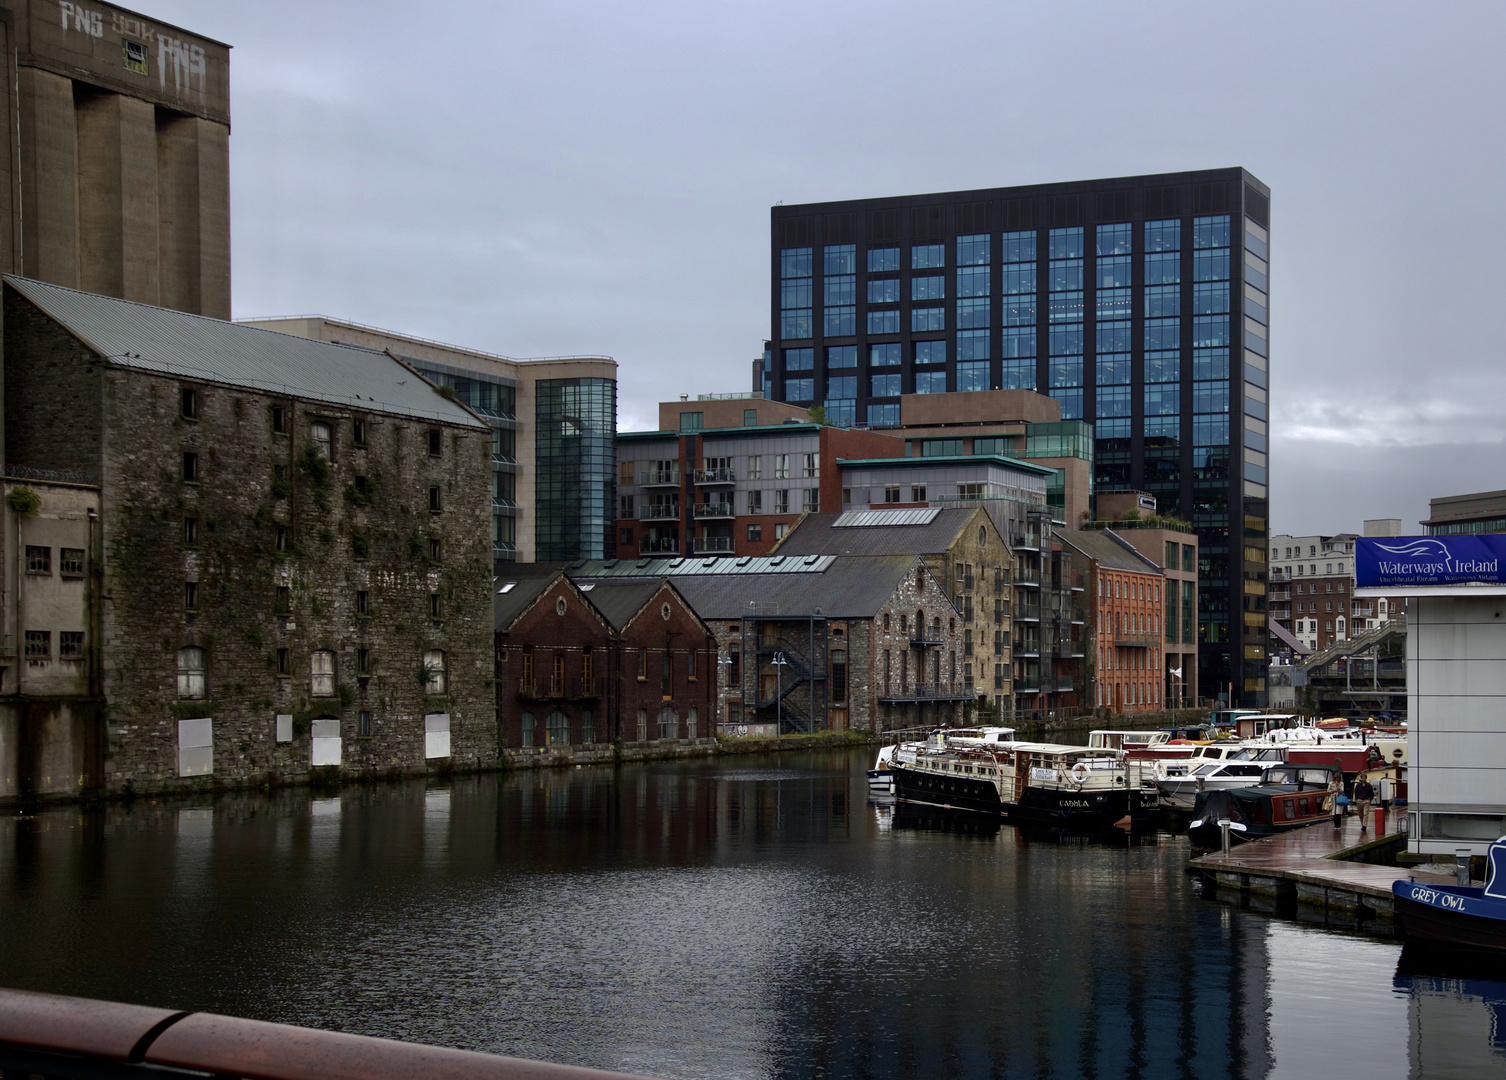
575	468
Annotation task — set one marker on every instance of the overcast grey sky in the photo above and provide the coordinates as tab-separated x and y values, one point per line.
545	179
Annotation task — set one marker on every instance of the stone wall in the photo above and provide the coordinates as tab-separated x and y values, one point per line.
919	591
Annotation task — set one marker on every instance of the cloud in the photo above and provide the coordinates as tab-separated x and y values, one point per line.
1474	418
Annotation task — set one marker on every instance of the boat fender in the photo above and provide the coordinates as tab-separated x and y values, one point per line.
1081	772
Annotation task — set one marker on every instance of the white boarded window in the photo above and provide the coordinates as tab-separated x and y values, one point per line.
196	747
284	727
434	674
322	673
325	749
691	722
437	735
191	672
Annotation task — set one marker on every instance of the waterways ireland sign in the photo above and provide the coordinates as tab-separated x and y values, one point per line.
1381	562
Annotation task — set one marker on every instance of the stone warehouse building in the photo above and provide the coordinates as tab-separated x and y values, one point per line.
585	666
291	560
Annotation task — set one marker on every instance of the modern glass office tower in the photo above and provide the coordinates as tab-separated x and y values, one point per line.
1140	303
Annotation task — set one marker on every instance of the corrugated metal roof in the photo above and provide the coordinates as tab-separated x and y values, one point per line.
915	516
850	588
1107	551
719	565
196	347
817	534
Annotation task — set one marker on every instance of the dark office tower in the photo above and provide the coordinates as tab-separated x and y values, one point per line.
1138	303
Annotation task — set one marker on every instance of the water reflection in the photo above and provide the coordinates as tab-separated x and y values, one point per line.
707	919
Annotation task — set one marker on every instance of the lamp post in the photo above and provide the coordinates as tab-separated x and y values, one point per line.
1177	671
779	663
725	663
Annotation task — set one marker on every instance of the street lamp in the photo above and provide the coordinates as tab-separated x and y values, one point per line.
779	663
1177	671
725	663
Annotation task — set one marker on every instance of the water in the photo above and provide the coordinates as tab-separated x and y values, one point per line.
733	918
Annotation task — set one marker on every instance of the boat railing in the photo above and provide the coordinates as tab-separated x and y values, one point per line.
84	1039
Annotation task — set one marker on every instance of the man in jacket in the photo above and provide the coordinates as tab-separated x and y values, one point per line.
1364	795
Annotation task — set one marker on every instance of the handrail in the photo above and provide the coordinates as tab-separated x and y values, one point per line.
82	1038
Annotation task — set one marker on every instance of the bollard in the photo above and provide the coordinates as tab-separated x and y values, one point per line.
1380	821
1223	828
1461	860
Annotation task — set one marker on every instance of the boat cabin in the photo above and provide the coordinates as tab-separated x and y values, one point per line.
1256	725
1127	740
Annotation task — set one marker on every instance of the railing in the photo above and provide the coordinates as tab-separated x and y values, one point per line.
758	394
666	546
702	544
1027	575
1279	594
714	510
716	476
660	512
928	692
658	477
56	476
926	639
82	1039
1027	613
569	689
1136	641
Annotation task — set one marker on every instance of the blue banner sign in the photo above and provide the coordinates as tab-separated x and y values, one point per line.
1381	562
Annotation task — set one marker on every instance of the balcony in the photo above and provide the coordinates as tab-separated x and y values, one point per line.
716	476
703	545
1027	575
659	478
1137	641
719	509
1279	594
954	691
666	511
666	546
568	689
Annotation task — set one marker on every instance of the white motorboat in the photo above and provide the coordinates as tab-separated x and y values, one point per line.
881	778
1242	768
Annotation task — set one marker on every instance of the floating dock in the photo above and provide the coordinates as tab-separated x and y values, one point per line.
1317	866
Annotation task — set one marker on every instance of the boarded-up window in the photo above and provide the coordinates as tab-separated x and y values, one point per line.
435	678
322	673
196	747
692	721
284	727
437	734
325	747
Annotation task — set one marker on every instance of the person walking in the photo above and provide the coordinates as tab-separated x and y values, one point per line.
1364	795
1337	801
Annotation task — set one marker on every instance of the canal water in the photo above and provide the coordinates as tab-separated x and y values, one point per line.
723	918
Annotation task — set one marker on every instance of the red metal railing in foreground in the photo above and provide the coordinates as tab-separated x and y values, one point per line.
48	1035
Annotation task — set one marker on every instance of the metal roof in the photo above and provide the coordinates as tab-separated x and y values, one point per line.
176	343
948	459
818	534
1107	551
722	565
854	518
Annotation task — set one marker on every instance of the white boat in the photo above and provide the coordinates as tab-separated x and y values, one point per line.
881	779
1240	769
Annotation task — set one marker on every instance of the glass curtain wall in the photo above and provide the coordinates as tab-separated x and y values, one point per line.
575	461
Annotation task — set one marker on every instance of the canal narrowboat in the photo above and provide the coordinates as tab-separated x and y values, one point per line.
881	778
1456	915
1287	797
1081	785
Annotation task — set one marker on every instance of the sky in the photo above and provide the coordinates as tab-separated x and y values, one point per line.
596	177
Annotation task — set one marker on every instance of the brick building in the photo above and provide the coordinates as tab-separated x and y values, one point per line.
823	642
1125	649
604	662
291	552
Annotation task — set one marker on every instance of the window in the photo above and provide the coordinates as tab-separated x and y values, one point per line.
883	291
71	645
930	382
436	444
755	532
930	352
695	421
974	344
794	360
883	415
71	562
887	355
323	438
190	530
799	389
39	645
188	403
358	437
886	385
436	607
280	419
190	467
883	259
925	320
322	673
842	386
190	670
810	467
435	675
436	497
841	356
284	663
282	603
190	596
750	418
782	501
884	321
755	502
38	559
283	540
917	493
810	500
973	375
436	549
927	256
891	494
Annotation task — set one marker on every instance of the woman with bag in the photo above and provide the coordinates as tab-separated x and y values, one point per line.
1336	793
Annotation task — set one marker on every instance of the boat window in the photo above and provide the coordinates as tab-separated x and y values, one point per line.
1206	770
1213	752
1242	770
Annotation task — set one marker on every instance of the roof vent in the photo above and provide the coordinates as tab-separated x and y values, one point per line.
744	560
776	560
810	560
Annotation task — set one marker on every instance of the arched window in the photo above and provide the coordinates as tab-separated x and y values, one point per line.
558	728
322	673
435	678
669	724
190	672
982	536
528	729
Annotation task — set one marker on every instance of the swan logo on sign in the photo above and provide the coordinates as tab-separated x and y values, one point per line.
1429	560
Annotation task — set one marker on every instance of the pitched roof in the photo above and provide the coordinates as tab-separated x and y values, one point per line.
1107	550
176	343
618	601
819	534
516	588
856	587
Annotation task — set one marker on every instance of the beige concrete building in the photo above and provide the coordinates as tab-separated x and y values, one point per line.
554	430
115	172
